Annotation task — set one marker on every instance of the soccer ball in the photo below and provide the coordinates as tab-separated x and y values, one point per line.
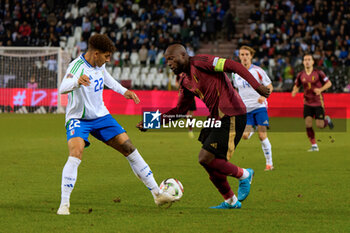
173	187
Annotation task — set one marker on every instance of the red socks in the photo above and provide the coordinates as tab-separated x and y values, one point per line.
311	135
218	170
325	123
226	168
221	183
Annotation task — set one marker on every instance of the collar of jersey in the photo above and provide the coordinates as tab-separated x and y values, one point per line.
251	66
86	62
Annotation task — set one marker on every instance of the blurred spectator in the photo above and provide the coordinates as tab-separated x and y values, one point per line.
81	45
210	27
152	54
143	53
52	64
288	74
189	50
347	87
32	84
86	26
229	24
25	29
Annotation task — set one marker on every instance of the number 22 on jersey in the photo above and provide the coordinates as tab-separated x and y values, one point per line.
98	84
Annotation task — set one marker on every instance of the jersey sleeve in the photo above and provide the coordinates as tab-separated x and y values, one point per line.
112	83
208	62
297	81
265	80
218	64
183	105
323	77
70	79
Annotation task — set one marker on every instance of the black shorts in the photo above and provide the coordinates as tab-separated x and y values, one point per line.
223	141
316	112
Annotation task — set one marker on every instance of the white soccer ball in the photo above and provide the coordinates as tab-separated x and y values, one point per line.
173	187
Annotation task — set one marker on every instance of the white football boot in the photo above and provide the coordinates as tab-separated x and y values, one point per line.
313	148
164	198
63	210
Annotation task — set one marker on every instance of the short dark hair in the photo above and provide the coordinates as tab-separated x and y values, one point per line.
102	43
308	54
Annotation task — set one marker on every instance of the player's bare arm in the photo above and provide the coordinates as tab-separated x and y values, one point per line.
327	85
295	90
131	95
263	91
231	66
262	98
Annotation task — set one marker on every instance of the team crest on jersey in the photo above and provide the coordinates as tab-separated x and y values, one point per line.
69	76
313	78
72	132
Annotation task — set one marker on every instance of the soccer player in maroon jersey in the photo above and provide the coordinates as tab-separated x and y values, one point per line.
204	76
314	83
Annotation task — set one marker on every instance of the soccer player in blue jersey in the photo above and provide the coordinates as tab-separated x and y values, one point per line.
86	114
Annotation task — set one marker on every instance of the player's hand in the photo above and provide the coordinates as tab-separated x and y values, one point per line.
131	95
317	91
263	91
140	126
261	99
294	93
84	80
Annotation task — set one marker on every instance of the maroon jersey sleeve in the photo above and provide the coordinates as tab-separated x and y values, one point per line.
217	64
322	77
183	105
236	67
297	81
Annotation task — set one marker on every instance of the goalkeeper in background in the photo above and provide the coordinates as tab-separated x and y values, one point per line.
86	114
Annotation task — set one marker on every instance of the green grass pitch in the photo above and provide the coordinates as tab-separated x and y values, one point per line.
308	192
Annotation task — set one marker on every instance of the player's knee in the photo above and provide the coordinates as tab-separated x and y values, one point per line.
245	136
262	136
205	157
203	160
308	125
320	125
127	147
76	152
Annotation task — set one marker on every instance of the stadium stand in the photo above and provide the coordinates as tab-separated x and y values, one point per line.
280	31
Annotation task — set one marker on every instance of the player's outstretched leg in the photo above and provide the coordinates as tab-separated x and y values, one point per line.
220	182
69	177
244	185
328	121
245	176
143	171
